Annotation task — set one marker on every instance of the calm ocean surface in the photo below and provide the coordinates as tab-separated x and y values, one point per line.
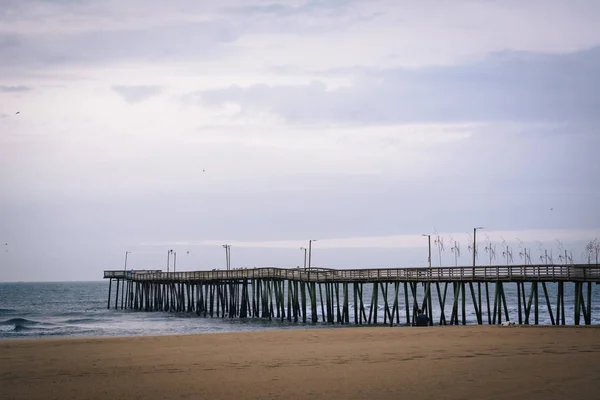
79	309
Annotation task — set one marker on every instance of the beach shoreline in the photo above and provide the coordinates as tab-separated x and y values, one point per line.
369	362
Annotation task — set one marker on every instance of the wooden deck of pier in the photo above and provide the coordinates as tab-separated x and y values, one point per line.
294	294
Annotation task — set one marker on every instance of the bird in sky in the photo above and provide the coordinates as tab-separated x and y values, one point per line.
18	112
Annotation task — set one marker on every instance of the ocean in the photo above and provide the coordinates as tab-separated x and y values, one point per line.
29	310
79	309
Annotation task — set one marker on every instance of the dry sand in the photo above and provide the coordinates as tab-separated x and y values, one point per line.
353	363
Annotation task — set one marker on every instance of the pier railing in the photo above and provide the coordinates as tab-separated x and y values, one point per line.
543	273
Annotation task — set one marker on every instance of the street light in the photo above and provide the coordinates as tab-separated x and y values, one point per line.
310	251
304	248
429	239
227	255
126	253
174	261
475	246
169	252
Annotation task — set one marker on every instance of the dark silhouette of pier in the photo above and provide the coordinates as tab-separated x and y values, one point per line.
297	294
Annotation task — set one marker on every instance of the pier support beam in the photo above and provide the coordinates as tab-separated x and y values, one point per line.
109	289
269	297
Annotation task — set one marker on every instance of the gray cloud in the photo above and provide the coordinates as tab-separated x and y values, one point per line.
496	180
511	86
283	10
8	41
476	185
178	39
135	94
10	89
190	40
309	18
73	201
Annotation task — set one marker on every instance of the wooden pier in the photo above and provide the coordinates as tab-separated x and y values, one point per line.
336	296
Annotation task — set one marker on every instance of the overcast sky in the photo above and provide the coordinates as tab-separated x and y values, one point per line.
151	125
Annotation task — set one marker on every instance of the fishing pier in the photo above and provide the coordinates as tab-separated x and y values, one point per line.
355	296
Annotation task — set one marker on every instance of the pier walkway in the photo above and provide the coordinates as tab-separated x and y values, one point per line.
336	295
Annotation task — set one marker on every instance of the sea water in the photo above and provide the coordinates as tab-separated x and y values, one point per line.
79	309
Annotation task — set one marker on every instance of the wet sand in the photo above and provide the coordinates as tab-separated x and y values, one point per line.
342	363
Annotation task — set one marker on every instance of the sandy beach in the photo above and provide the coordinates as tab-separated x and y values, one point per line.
354	363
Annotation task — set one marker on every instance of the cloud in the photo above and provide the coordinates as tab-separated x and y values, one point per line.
479	113
511	86
136	94
310	7
198	40
415	240
11	89
342	32
8	41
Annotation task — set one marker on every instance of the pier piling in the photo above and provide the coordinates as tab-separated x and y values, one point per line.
291	294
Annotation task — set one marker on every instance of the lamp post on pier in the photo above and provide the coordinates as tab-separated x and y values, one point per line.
310	251
310	255
475	247
125	267
169	252
429	240
304	248
227	248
